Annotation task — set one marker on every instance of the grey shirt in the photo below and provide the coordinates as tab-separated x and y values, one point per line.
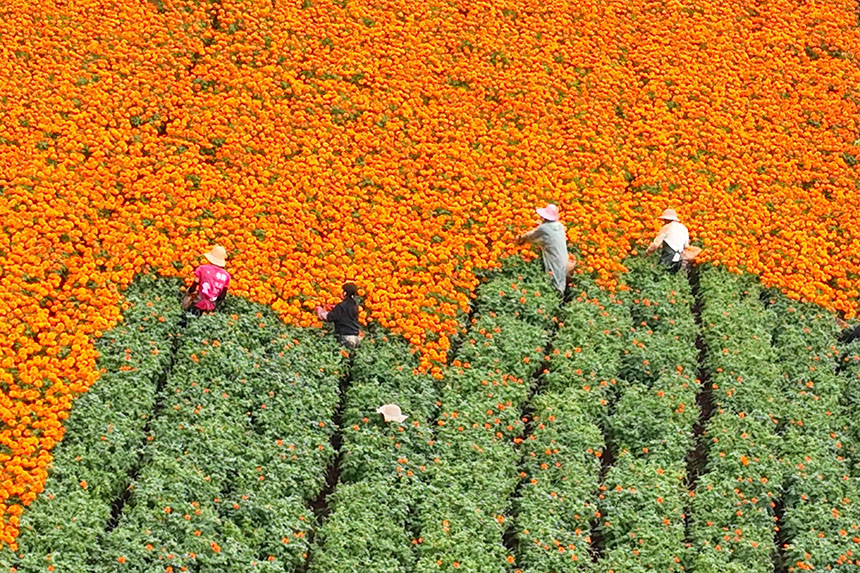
552	238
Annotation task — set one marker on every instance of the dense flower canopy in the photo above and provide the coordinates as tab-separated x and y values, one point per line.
401	145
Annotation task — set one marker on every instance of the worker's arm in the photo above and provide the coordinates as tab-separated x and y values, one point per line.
221	296
533	236
658	240
329	315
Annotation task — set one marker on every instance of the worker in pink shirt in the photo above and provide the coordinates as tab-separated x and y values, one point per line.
210	283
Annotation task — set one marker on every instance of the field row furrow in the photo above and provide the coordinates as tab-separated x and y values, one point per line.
732	512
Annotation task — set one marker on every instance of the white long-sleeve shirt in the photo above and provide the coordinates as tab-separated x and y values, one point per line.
675	235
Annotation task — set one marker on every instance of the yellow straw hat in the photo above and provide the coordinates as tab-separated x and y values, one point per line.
217	256
669	215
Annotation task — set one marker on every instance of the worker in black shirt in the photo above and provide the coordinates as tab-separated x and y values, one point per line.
849	333
344	315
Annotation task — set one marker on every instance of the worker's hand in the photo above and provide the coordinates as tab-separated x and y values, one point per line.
842	323
519	240
321	313
650	249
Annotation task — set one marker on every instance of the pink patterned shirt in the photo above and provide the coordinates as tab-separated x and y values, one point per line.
212	280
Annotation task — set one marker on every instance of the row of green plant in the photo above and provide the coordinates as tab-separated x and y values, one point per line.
819	529
240	446
561	457
732	527
472	470
644	499
372	522
849	370
104	435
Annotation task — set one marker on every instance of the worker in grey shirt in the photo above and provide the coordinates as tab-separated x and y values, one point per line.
552	238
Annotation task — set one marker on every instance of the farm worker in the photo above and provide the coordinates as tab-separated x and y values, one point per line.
552	238
672	239
210	282
344	315
849	333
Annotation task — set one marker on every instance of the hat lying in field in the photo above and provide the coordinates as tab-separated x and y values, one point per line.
669	215
550	212
391	412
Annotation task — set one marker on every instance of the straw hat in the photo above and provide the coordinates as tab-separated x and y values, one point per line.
550	212
217	256
669	215
391	412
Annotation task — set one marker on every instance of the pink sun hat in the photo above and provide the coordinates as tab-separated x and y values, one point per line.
550	212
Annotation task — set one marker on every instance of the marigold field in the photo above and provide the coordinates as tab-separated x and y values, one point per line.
404	145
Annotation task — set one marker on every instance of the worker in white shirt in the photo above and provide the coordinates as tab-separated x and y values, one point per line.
672	239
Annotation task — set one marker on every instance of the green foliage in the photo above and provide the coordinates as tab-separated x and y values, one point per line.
644	499
209	442
240	445
643	515
462	515
367	530
587	350
524	296
561	464
820	493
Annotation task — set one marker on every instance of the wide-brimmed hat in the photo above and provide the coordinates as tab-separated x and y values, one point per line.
550	212
669	215
217	256
391	412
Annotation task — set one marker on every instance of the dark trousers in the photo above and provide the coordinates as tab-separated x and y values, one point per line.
849	335
193	311
667	254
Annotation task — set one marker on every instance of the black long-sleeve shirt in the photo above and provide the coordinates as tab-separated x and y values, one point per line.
345	318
